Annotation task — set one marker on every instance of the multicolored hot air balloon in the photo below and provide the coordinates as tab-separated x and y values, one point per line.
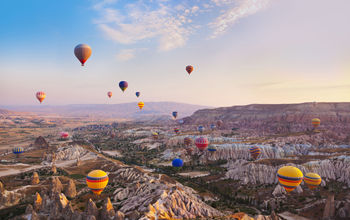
212	148
64	135
174	115
201	128
212	127
255	151
155	135
312	180
137	94
189	150
97	180
17	150
177	162
315	122
40	96
189	69
201	143
123	85
82	52
177	130
289	177
181	121
219	123
141	104
187	141
109	94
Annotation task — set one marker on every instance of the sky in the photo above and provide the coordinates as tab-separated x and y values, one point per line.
242	51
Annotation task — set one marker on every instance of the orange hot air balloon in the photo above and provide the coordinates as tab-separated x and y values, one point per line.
109	94
141	104
82	52
40	96
189	69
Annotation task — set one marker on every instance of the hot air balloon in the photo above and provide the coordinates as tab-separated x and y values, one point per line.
315	122
289	177
189	150
137	94
255	152
40	96
141	104
97	180
212	148
17	150
174	114
219	123
123	85
155	135
64	135
177	130
177	162
82	52
200	129
312	180
212	127
189	69
109	94
187	141
201	143
181	121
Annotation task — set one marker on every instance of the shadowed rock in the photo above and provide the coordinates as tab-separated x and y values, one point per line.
119	216
329	208
107	211
91	209
56	185
70	191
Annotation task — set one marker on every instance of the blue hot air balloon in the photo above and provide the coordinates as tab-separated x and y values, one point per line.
177	162
212	127
200	129
17	150
138	94
123	85
175	114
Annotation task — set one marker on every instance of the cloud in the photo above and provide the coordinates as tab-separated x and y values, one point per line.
125	55
230	16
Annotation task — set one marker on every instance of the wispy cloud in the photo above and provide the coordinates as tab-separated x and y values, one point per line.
169	23
232	15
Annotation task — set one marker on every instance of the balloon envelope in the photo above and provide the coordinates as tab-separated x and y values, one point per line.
255	151
82	52
189	69
212	127
187	141
64	134
174	114
200	128
212	148
123	85
312	180
289	177
137	94
155	135
177	130
201	143
109	94
177	162
97	180
17	150
315	122
141	104
40	96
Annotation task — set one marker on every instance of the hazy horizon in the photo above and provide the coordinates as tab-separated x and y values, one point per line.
243	51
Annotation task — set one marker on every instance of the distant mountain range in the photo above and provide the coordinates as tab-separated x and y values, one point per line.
126	110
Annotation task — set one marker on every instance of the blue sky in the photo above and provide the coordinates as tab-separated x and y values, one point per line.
243	51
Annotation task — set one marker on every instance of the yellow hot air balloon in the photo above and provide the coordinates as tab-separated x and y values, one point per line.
315	122
289	177
312	180
97	180
141	104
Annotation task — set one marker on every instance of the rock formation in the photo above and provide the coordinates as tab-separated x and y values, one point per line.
70	190
38	202
329	208
91	209
2	188
55	184
53	169
40	142
107	211
35	179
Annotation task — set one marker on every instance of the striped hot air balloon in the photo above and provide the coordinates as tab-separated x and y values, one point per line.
312	180
17	150
141	104
177	162
155	135
289	177
212	148
109	94
189	150
176	130
40	96
255	152
187	141
97	180
189	69
82	52
315	122
201	143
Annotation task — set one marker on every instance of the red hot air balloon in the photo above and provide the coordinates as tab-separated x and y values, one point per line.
64	135
202	143
189	69
40	96
109	94
82	52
